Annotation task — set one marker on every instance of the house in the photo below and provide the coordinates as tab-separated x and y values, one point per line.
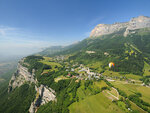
72	69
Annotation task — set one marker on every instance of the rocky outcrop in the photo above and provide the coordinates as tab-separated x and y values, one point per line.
46	94
104	29
43	96
133	24
137	23
20	77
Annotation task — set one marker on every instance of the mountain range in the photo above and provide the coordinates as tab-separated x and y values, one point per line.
122	42
63	79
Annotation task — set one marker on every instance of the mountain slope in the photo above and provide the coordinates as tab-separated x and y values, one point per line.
19	100
62	78
129	53
133	24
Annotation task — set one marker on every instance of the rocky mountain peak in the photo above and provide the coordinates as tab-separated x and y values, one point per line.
103	29
140	19
133	24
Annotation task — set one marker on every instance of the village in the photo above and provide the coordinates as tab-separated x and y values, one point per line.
82	72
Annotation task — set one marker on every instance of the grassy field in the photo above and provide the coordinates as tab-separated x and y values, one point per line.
114	92
98	103
95	104
129	76
146	69
109	95
96	66
48	58
47	61
133	88
100	84
135	107
50	63
2	80
82	93
60	78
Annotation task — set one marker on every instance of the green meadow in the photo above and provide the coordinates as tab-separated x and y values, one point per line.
146	69
60	78
136	108
83	93
133	88
117	74
48	61
90	103
95	104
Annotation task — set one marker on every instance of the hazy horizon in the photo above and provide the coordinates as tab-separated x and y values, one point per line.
26	27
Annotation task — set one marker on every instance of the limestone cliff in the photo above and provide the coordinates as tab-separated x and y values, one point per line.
137	23
133	24
104	29
20	77
44	94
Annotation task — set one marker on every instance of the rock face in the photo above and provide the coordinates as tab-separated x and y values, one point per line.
46	94
137	23
133	24
20	77
104	29
43	96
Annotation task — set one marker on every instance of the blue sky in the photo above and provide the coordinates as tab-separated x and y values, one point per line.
26	26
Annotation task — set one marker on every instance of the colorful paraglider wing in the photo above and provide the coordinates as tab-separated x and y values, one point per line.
111	64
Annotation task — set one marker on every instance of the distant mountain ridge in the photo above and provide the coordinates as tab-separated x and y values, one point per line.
54	50
126	44
133	24
125	28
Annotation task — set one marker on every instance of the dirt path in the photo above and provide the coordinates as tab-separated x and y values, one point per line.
113	96
116	91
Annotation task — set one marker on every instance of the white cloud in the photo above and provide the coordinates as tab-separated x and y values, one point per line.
4	30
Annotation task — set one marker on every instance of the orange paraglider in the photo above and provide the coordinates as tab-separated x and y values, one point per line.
111	64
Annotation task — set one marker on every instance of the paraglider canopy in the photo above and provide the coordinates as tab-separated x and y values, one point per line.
111	64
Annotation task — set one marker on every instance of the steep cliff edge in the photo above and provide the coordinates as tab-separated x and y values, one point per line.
133	24
43	95
104	29
20	77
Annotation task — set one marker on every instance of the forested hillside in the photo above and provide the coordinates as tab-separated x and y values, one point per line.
104	73
129	53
